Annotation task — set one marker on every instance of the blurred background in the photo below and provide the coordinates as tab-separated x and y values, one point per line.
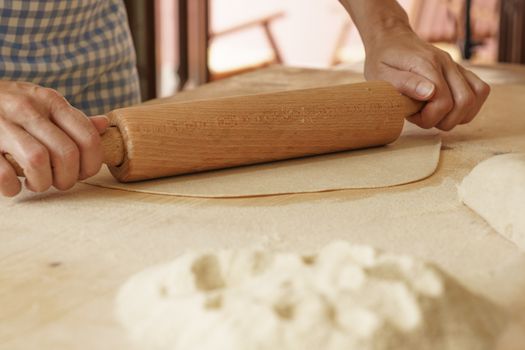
184	43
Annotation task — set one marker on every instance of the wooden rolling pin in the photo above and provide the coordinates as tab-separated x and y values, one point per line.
153	141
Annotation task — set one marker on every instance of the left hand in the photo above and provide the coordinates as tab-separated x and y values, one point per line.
419	70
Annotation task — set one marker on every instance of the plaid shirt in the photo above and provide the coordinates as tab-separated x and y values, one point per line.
81	48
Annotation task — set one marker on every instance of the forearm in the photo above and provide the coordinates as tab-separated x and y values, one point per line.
374	18
394	53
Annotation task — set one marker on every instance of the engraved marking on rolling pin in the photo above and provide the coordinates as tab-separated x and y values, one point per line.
305	115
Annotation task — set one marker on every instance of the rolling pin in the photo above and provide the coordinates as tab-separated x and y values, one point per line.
153	141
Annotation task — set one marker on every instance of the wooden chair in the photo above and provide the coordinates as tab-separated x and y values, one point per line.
264	23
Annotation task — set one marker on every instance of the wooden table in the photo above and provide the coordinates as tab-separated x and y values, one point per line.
58	277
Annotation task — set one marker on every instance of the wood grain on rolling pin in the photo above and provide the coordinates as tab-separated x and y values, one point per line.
153	141
170	139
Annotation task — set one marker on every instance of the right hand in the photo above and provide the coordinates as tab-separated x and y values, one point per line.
419	70
55	143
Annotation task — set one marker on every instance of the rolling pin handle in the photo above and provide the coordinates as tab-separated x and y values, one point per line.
113	146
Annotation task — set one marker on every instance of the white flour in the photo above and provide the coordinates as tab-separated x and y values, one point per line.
344	297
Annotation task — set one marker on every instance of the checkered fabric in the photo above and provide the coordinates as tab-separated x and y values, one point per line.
81	48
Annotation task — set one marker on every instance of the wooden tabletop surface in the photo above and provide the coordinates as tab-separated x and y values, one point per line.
63	256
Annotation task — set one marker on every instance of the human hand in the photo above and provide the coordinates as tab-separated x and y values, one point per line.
421	71
55	143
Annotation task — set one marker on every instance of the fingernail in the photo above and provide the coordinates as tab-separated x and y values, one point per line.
102	116
424	89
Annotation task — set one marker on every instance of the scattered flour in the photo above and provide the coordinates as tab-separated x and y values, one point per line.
345	297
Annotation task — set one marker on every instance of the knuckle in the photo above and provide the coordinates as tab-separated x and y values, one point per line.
24	112
447	124
404	85
420	60
446	56
91	140
58	103
50	93
51	96
24	85
429	64
465	100
427	122
445	106
410	84
69	154
434	58
22	103
37	157
483	89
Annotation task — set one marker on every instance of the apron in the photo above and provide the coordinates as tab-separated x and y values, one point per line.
81	48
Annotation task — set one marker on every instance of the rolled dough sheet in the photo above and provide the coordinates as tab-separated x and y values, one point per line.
414	156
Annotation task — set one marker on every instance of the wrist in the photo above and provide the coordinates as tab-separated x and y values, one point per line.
378	20
384	29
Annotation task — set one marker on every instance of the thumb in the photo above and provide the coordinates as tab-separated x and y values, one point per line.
101	122
409	84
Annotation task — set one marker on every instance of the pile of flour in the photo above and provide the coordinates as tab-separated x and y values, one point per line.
344	297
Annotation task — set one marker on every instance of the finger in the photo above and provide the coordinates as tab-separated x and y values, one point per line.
63	152
409	84
418	120
481	90
101	123
32	156
441	102
78	127
9	184
464	98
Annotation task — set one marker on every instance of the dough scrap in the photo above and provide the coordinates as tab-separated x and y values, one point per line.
414	156
495	189
345	297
